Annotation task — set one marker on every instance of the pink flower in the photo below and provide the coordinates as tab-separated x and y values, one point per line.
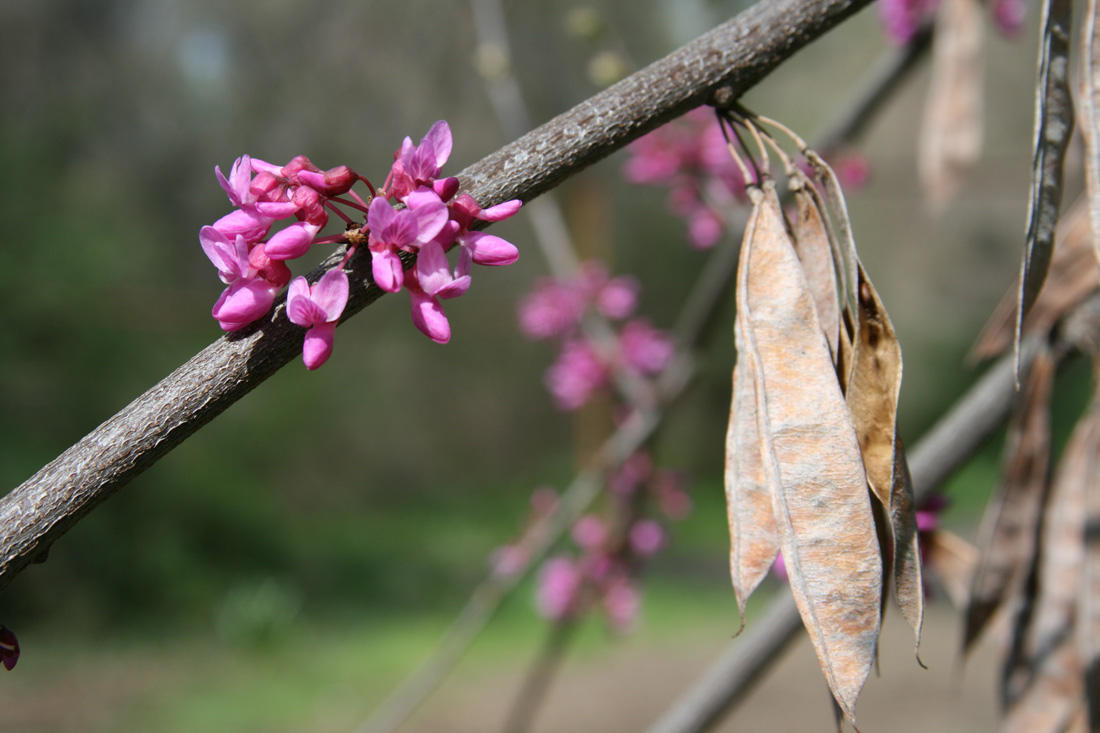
483	249
643	348
646	537
429	282
575	375
408	230
558	585
1009	16
589	532
618	298
419	165
230	256
621	603
243	302
291	242
553	309
9	648
318	308
901	19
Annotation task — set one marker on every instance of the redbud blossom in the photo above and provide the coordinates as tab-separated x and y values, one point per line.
318	308
646	537
559	583
621	603
575	375
589	532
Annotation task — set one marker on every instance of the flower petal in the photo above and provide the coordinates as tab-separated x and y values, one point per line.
330	293
292	242
440	138
317	346
428	316
500	211
489	249
388	271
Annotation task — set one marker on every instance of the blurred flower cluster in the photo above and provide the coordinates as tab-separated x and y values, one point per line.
691	158
428	220
556	309
600	571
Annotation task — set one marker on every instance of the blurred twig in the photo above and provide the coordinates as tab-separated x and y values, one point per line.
880	84
537	681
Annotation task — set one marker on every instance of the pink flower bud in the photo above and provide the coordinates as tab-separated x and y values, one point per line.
646	537
589	532
9	648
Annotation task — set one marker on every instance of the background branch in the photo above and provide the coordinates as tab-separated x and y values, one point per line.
737	54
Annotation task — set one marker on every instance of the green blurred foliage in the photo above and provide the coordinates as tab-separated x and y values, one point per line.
384	481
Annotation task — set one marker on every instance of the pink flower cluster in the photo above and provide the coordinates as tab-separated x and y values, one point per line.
691	158
901	19
429	220
611	548
556	309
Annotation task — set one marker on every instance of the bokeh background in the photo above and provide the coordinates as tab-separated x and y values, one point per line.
285	567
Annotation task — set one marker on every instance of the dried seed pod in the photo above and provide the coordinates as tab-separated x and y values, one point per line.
1007	537
951	133
811	456
754	538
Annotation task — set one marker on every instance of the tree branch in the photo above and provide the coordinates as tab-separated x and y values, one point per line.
737	54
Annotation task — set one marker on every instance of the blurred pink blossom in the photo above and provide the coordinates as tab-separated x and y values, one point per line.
558	586
575	375
589	532
646	537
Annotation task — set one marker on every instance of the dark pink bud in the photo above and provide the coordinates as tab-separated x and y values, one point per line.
297	164
266	187
445	188
9	648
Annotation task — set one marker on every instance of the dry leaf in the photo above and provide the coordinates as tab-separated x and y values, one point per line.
908	583
951	134
1090	115
1074	275
953	561
754	539
873	391
1052	702
1053	127
811	455
1008	533
1088	602
1048	618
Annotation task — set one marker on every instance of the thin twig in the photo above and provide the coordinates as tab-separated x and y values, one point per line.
881	83
537	682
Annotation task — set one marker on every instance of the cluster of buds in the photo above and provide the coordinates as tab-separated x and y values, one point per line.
429	220
609	550
556	310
